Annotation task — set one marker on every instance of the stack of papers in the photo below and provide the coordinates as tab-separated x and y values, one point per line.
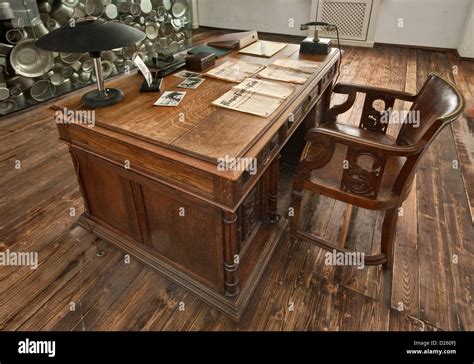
256	97
235	71
287	70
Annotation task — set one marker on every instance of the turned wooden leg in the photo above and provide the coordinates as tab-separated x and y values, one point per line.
388	236
296	198
231	264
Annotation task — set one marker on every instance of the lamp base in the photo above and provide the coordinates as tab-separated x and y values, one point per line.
95	99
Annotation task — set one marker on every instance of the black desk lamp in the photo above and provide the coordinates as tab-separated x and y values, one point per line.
93	36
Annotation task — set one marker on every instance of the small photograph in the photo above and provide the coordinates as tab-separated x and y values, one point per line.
187	74
191	82
170	98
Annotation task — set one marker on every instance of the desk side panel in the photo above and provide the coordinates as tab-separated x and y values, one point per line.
175	228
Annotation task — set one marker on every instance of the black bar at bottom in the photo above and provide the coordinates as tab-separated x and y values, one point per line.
319	347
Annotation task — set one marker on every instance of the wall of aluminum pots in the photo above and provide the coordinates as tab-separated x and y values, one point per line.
29	75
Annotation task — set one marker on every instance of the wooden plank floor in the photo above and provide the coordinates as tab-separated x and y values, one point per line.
74	289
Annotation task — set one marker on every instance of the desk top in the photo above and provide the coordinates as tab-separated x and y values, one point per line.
206	132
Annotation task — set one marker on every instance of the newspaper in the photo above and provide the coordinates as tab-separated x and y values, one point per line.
283	74
289	70
272	89
302	66
235	71
255	97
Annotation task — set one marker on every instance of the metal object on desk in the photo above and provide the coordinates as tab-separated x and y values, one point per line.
52	24
79	13
177	23
70	3
128	19
62	84
167	4
119	62
6	11
21	82
111	11
44	7
67	71
7	106
18	97
161	13
76	66
30	61
14	36
5	49
44	17
94	8
135	9
152	16
166	29
62	11
42	90
13	23
145	6
313	44
108	68
39	29
152	30
173	47
70	58
4	90
110	56
123	7
179	8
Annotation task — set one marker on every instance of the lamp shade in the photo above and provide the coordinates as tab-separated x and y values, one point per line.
91	35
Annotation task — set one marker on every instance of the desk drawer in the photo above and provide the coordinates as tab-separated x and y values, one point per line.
263	158
302	109
327	78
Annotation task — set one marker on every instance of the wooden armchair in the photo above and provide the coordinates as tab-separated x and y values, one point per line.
365	167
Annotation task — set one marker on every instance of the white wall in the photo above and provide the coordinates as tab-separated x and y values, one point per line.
430	23
264	15
466	48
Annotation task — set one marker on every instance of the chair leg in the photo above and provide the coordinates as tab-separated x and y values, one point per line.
388	236
296	198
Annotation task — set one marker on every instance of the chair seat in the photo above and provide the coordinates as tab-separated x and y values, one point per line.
329	177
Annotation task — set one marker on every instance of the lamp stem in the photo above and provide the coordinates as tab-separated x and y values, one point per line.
99	76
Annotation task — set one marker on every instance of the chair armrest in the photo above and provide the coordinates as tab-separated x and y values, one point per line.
347	88
316	134
372	93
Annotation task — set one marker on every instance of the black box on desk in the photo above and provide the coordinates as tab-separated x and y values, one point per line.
200	61
310	47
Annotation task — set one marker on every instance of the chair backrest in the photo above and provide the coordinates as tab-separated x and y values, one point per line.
437	104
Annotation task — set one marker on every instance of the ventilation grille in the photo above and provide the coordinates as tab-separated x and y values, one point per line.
351	18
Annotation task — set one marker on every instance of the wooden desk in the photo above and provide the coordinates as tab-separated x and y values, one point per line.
151	186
